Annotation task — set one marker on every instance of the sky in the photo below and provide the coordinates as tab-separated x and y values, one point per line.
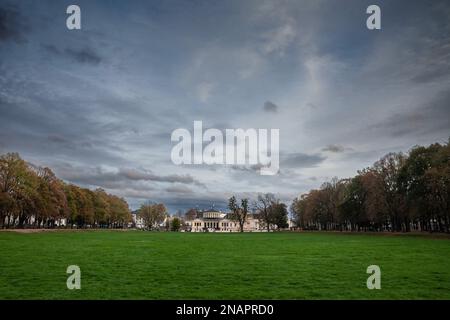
98	105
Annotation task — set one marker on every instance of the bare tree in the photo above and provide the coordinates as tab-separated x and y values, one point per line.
264	207
239	213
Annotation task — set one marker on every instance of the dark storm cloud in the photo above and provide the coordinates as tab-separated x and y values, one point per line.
270	107
248	168
101	177
34	123
336	148
301	160
63	142
51	49
178	201
57	139
401	124
134	174
432	117
85	55
430	60
200	203
416	50
179	189
41	118
12	25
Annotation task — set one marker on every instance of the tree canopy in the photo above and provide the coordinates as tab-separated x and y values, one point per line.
33	196
398	193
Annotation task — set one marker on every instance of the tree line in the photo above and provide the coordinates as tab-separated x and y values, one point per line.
32	196
399	192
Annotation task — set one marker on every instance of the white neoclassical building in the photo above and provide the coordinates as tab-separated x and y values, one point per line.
216	221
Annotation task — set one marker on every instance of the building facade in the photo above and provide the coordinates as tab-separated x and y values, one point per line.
216	221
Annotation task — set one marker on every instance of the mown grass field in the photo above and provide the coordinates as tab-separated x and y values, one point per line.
144	265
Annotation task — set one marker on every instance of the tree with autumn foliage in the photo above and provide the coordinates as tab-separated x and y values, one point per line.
400	192
152	215
33	196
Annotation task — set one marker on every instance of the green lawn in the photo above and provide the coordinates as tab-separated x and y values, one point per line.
144	265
